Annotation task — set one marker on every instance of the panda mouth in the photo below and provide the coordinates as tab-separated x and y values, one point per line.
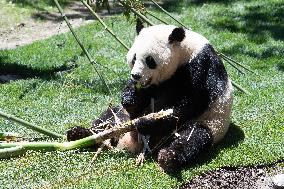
147	83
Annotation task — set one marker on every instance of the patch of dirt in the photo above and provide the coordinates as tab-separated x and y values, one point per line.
238	178
43	25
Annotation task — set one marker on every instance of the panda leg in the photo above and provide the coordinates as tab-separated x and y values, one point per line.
190	142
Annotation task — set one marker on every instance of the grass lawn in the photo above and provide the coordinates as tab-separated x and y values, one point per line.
61	90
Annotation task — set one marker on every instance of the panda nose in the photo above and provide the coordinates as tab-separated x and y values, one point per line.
136	76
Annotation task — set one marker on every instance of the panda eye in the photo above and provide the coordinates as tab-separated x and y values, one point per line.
151	62
134	59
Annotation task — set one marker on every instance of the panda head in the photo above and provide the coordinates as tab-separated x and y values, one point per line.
159	50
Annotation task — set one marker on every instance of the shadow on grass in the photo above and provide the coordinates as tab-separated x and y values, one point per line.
15	71
39	4
268	52
256	22
280	66
80	12
97	86
262	57
234	136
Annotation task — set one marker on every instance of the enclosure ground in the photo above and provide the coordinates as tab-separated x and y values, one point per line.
259	177
56	88
32	26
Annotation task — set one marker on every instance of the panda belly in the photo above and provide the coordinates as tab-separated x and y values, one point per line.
217	117
130	142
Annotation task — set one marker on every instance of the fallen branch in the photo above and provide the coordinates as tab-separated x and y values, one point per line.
8	150
30	125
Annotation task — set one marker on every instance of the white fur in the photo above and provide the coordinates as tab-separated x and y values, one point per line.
217	117
153	41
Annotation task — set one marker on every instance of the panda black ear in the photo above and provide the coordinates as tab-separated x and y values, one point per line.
139	25
177	35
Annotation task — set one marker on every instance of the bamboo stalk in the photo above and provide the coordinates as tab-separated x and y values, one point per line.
156	17
137	13
8	150
92	61
234	61
30	125
240	88
167	13
104	25
234	66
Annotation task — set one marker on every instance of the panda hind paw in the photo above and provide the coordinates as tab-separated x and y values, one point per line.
167	160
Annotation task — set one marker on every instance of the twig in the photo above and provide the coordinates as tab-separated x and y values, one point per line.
8	150
99	150
240	88
30	125
233	65
93	62
104	25
156	17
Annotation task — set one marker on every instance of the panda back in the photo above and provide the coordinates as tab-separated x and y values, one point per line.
217	117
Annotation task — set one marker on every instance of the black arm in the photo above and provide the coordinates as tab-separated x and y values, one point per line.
134	100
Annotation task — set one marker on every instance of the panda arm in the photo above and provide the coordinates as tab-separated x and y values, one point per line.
134	100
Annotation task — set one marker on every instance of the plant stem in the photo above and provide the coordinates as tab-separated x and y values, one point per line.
30	125
156	17
105	26
240	88
167	13
82	47
14	151
234	61
233	65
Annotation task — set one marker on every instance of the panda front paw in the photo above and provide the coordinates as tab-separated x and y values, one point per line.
168	161
77	132
133	100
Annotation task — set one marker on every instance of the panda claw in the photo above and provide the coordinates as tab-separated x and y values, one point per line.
140	159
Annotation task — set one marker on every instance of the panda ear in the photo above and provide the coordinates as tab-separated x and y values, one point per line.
139	25
177	35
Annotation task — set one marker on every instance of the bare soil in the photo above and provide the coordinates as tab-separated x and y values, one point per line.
259	177
42	25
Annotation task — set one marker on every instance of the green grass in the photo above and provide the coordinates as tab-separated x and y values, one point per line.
15	12
59	100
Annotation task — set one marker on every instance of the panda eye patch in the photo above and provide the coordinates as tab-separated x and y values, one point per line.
134	59
150	62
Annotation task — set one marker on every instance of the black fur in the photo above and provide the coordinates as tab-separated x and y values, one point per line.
150	62
77	132
177	35
190	142
139	25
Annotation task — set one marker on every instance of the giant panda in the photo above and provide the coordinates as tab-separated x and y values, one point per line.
172	67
